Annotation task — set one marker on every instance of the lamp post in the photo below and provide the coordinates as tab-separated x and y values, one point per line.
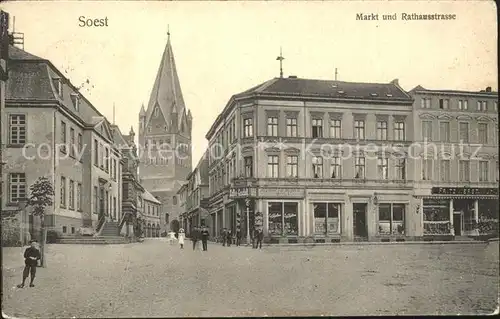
247	202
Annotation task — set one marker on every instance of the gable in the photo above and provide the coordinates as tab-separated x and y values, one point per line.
156	119
427	116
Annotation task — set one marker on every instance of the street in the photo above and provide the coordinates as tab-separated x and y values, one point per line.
154	279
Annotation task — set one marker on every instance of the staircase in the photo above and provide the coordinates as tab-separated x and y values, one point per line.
110	229
100	240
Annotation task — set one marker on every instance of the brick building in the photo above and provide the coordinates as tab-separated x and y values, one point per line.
456	178
52	130
165	140
317	159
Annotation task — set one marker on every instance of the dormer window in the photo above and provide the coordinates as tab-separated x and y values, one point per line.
388	95
373	94
341	92
334	85
76	101
58	86
156	112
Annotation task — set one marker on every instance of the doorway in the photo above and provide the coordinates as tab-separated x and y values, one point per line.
457	223
359	219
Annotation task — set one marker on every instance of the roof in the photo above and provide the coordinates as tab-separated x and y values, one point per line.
17	54
294	87
166	92
149	197
421	89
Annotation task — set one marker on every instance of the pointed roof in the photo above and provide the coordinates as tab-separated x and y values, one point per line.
166	92
143	111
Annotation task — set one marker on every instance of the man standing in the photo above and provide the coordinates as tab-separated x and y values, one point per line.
238	236
260	237
31	257
224	236
229	237
204	237
194	237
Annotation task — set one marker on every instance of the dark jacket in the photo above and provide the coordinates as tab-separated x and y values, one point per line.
204	234
31	252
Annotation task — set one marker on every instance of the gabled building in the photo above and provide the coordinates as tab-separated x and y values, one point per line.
317	158
150	215
165	137
457	175
52	130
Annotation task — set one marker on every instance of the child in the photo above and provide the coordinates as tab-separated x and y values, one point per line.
181	238
31	257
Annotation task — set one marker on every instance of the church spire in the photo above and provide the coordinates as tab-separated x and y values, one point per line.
166	92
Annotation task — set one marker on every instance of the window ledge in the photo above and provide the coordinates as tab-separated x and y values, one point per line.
15	145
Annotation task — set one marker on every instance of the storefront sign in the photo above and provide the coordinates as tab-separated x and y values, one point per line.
464	191
242	192
281	192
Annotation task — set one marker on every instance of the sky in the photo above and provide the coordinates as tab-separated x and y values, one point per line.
223	48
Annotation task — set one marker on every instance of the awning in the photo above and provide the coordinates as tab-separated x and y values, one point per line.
458	196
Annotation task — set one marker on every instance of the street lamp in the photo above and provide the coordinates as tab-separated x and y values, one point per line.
247	202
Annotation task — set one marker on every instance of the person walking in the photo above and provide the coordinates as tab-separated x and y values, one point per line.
260	237
31	257
194	237
238	236
229	237
223	234
181	238
171	237
204	238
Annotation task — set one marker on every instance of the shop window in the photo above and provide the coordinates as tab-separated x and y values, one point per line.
326	218
283	218
436	216
391	219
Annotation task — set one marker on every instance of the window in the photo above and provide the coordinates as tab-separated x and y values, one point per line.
64	229
427	169
156	111
282	218
481	106
96	200
292	166
326	218
63	137
496	106
444	131
248	127
248	166
106	159
17	129
464	170
114	207
335	168
427	130
291	127
483	171
272	166
401	168
106	202
72	230
463	104
359	130
80	144
359	167
174	200
425	103
96	153
76	101
79	197
58	86
482	129
72	141
149	129
498	172
444	169
335	129
71	194
399	131
17	187
63	192
464	132
317	128
382	168
381	130
391	219
443	104
317	166
115	169
272	126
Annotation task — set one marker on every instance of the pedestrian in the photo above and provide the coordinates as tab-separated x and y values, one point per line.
204	238
260	237
194	237
238	236
229	237
31	257
223	234
181	238
171	237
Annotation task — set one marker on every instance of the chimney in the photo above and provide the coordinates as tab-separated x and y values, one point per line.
395	82
292	77
488	89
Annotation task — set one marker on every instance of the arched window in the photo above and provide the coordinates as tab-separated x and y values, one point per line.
174	200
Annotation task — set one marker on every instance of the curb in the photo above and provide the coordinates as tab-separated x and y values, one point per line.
468	242
493	239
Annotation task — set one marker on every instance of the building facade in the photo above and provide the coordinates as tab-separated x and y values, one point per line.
194	197
150	215
52	130
456	174
165	140
318	159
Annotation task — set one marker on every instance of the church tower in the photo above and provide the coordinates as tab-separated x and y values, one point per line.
165	139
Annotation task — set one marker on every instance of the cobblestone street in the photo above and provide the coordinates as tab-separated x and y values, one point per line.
153	279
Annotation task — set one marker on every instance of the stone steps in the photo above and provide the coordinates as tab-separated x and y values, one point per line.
100	240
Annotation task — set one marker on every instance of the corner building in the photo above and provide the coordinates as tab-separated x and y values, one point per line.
320	160
457	175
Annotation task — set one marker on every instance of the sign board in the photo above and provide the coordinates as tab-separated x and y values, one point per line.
242	192
281	192
464	191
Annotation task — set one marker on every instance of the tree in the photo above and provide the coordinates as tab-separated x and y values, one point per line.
41	197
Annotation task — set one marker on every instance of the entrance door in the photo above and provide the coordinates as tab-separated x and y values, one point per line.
457	223
359	219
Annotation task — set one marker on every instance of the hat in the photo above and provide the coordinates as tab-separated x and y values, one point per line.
181	230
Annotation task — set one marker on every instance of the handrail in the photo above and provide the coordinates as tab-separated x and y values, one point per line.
100	223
